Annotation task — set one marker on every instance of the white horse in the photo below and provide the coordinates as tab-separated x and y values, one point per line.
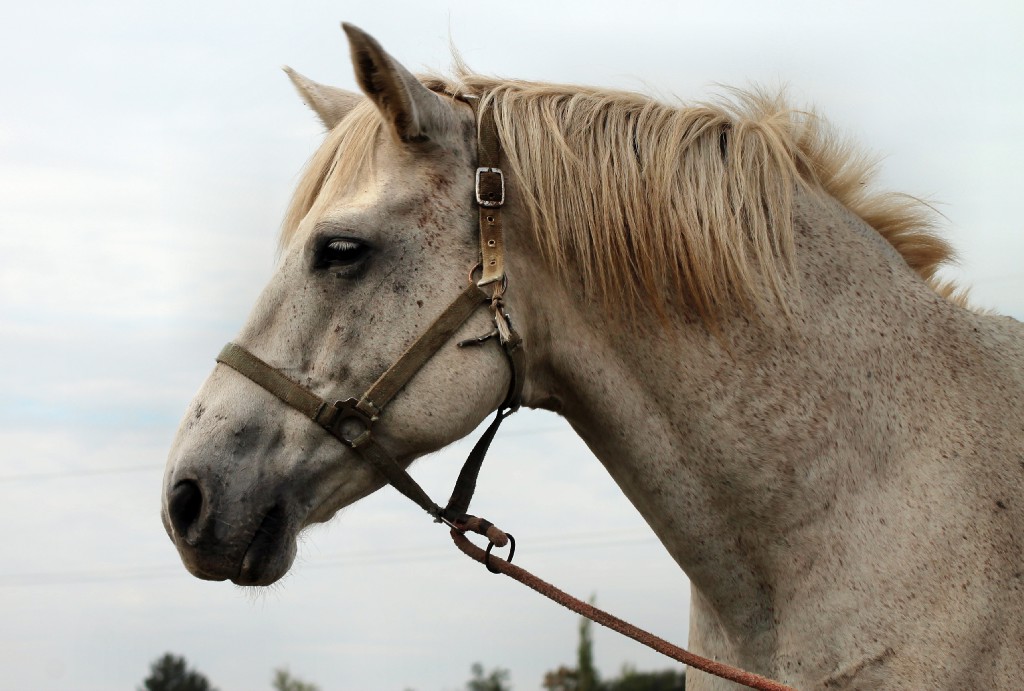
828	444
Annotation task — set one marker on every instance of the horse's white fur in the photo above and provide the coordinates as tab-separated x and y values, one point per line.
330	103
842	485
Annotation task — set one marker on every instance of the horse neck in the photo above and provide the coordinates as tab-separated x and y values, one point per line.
743	450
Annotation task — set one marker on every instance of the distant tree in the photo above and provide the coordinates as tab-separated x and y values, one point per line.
561	679
171	673
631	680
284	681
584	677
495	680
587	678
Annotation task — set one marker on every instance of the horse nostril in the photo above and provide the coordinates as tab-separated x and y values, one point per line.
185	504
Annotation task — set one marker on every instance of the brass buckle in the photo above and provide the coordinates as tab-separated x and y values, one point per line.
488	199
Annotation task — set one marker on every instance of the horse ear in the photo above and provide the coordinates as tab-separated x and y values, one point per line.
330	103
414	113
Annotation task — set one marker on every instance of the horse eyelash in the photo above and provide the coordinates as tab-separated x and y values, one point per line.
343	245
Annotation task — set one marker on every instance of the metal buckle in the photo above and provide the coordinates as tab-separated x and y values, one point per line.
354	435
483	284
487	201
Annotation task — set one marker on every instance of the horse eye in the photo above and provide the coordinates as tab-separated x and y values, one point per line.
341	252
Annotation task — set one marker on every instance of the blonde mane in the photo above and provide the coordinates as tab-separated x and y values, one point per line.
657	207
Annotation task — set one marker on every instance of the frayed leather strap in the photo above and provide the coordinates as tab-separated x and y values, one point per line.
490	197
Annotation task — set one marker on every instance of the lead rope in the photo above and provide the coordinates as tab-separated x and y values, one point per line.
719	669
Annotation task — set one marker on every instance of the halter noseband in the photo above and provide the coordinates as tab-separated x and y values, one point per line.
351	421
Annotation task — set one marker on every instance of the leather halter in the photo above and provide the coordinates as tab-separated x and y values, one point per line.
351	421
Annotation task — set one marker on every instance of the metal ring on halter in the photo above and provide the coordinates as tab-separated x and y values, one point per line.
480	267
511	553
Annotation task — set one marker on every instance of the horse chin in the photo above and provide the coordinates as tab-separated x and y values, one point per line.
264	568
270	553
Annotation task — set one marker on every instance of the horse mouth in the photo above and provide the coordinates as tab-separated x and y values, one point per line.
270	553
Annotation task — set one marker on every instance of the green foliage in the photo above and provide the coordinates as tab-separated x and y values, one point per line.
631	680
284	681
495	680
566	679
171	673
586	674
561	679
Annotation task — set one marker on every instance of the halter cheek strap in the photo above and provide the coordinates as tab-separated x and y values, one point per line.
490	196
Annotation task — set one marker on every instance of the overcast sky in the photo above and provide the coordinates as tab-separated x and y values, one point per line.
147	152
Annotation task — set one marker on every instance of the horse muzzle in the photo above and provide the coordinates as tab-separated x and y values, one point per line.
213	545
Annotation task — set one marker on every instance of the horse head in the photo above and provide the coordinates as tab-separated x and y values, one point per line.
382	236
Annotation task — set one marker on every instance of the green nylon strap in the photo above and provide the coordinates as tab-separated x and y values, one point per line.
517	361
329	416
386	386
465	485
245	363
397	477
297	396
422	349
